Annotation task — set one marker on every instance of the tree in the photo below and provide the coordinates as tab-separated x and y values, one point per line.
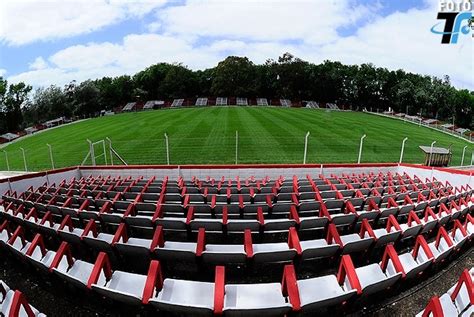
122	89
3	90
367	86
204	80
464	106
288	77
403	96
178	82
332	82
85	99
149	80
49	103
357	86
12	102
234	76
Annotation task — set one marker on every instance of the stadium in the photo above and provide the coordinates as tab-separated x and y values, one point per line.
252	187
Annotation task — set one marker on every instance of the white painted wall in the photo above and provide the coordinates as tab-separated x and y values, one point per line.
36	181
454	179
243	173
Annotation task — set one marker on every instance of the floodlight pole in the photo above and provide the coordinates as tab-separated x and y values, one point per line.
463	152
24	158
403	149
431	152
51	155
236	147
360	148
305	147
6	159
167	149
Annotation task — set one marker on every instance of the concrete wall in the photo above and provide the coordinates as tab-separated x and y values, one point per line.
231	172
21	183
456	178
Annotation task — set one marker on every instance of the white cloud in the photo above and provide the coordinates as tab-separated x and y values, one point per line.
96	60
196	35
2	72
90	56
26	21
154	27
263	20
58	76
38	63
403	40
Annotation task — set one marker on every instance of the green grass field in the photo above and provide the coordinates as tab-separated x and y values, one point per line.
207	136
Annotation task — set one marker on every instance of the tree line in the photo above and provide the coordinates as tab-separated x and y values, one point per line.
355	86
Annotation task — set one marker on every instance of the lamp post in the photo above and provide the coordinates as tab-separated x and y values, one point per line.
403	149
24	158
360	148
6	159
305	147
431	152
51	155
167	149
236	147
463	152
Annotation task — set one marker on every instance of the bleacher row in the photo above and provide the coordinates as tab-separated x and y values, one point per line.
173	209
143	219
192	297
13	303
333	243
222	101
457	301
312	104
258	205
241	101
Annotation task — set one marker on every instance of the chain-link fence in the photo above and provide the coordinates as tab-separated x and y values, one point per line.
239	149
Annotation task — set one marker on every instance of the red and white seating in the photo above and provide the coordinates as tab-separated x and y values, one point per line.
457	301
235	222
179	296
14	304
71	270
371	278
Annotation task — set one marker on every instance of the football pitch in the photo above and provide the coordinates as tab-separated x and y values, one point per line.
220	135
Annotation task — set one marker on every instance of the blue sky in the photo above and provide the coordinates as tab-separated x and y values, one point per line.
54	42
